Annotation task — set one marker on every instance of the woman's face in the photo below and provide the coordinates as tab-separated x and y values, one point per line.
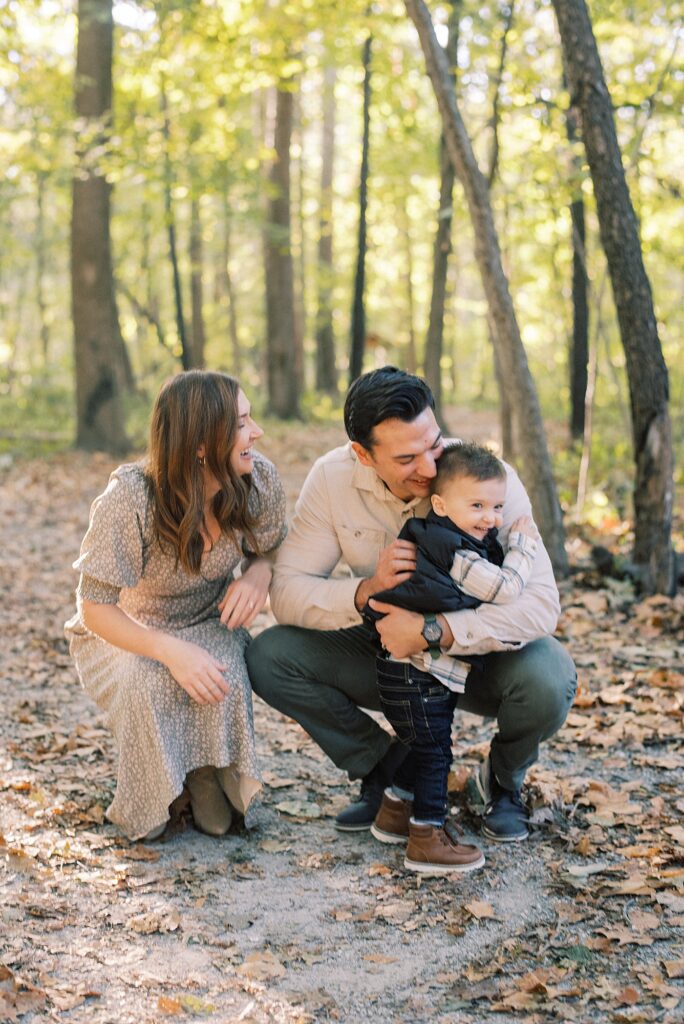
248	433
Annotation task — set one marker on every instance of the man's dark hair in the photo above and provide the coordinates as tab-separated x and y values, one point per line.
467	459
384	394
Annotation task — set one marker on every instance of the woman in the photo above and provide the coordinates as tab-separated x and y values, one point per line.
161	624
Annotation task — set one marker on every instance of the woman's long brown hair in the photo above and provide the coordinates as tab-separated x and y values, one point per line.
194	409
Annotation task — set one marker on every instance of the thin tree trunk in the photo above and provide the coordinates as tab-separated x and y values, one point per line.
411	355
283	391
434	341
299	246
98	345
506	409
196	285
646	369
326	375
579	347
227	289
41	263
186	354
358	321
537	469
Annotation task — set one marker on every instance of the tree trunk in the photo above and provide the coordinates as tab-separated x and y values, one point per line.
196	296
358	323
405	228
646	370
537	470
326	375
226	289
579	347
299	245
442	245
98	344
183	340
283	392
41	263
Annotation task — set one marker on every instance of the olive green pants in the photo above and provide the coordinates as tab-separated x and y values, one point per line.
324	678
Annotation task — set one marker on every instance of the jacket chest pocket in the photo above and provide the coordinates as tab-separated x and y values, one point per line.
361	548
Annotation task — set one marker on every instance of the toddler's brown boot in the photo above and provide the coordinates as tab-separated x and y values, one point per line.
434	851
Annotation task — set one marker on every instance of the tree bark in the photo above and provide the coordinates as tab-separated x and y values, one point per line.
537	470
41	263
579	346
434	341
283	392
196	285
226	289
358	322
326	374
98	345
646	370
183	340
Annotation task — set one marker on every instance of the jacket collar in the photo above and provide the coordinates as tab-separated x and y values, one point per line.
366	479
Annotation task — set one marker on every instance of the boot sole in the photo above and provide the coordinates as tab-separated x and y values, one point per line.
391	838
505	839
442	869
364	827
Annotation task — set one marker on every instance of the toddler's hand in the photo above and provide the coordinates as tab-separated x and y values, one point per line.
526	526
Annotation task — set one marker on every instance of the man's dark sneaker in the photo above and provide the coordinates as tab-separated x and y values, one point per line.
505	817
391	823
360	815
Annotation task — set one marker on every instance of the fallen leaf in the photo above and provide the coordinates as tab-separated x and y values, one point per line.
299	808
479	909
261	966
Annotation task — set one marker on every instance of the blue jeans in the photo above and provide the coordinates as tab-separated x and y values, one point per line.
420	709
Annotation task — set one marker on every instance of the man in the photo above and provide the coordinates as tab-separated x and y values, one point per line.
318	666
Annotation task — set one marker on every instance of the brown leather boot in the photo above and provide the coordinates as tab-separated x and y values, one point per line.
434	851
391	823
210	808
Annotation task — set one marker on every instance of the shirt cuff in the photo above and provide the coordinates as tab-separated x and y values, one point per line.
467	630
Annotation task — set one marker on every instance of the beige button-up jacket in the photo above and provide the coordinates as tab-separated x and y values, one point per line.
345	513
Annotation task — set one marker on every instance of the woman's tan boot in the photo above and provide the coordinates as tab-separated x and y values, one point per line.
210	808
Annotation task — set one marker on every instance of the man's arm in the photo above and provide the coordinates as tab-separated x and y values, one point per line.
302	593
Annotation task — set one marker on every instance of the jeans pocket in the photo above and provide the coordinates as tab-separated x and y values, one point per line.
396	707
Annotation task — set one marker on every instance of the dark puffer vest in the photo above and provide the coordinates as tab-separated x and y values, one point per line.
431	588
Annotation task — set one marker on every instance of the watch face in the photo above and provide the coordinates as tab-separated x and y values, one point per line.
432	631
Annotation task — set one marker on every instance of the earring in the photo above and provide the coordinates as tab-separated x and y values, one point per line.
202	459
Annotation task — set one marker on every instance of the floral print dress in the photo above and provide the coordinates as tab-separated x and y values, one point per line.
161	733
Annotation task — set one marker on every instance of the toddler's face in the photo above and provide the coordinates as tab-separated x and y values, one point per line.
475	506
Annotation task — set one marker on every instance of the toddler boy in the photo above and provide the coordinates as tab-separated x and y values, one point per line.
459	564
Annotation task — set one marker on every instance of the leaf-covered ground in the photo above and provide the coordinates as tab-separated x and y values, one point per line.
290	921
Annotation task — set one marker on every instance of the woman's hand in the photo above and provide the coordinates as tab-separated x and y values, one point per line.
197	671
245	597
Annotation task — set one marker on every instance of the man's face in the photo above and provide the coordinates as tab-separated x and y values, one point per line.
404	455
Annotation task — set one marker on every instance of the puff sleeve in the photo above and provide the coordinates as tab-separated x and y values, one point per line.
267	505
113	549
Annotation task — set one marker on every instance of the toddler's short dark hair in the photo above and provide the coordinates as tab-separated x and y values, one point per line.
467	459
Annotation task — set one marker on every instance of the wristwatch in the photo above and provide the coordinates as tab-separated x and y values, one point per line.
432	631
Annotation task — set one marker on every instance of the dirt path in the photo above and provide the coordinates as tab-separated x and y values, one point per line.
289	921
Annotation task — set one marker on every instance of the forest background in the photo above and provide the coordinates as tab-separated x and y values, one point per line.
264	188
278	189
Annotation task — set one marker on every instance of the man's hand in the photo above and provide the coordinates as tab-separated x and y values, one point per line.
401	633
527	526
395	564
399	630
